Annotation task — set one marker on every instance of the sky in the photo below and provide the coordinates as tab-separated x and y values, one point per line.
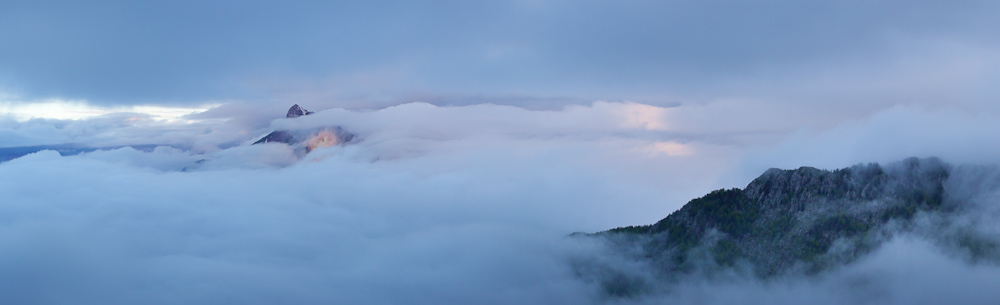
861	56
486	132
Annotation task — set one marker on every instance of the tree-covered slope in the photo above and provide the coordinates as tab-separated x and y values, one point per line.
788	219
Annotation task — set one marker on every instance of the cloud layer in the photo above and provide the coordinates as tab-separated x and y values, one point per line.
479	147
437	205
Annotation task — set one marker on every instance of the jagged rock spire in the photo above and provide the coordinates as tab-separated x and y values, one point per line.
297	111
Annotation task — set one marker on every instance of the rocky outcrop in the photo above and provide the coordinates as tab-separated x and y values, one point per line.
297	111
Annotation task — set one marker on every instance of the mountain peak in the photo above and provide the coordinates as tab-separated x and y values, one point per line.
306	140
297	111
788	219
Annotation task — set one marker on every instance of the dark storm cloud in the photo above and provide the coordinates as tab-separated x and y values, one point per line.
384	52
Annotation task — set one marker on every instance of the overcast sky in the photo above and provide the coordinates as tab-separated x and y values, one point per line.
855	54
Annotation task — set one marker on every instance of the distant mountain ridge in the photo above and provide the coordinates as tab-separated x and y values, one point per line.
788	220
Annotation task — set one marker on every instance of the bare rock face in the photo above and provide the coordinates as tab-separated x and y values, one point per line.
276	136
297	111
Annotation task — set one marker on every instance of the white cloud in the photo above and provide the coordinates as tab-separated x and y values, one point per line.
78	110
432	205
955	135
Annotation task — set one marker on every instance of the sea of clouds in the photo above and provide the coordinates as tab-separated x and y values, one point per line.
445	205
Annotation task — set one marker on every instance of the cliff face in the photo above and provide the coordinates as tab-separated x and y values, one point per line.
296	111
792	218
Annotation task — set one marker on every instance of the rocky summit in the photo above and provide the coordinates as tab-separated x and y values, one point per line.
297	111
309	139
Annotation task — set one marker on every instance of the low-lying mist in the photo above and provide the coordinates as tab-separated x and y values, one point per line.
448	205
